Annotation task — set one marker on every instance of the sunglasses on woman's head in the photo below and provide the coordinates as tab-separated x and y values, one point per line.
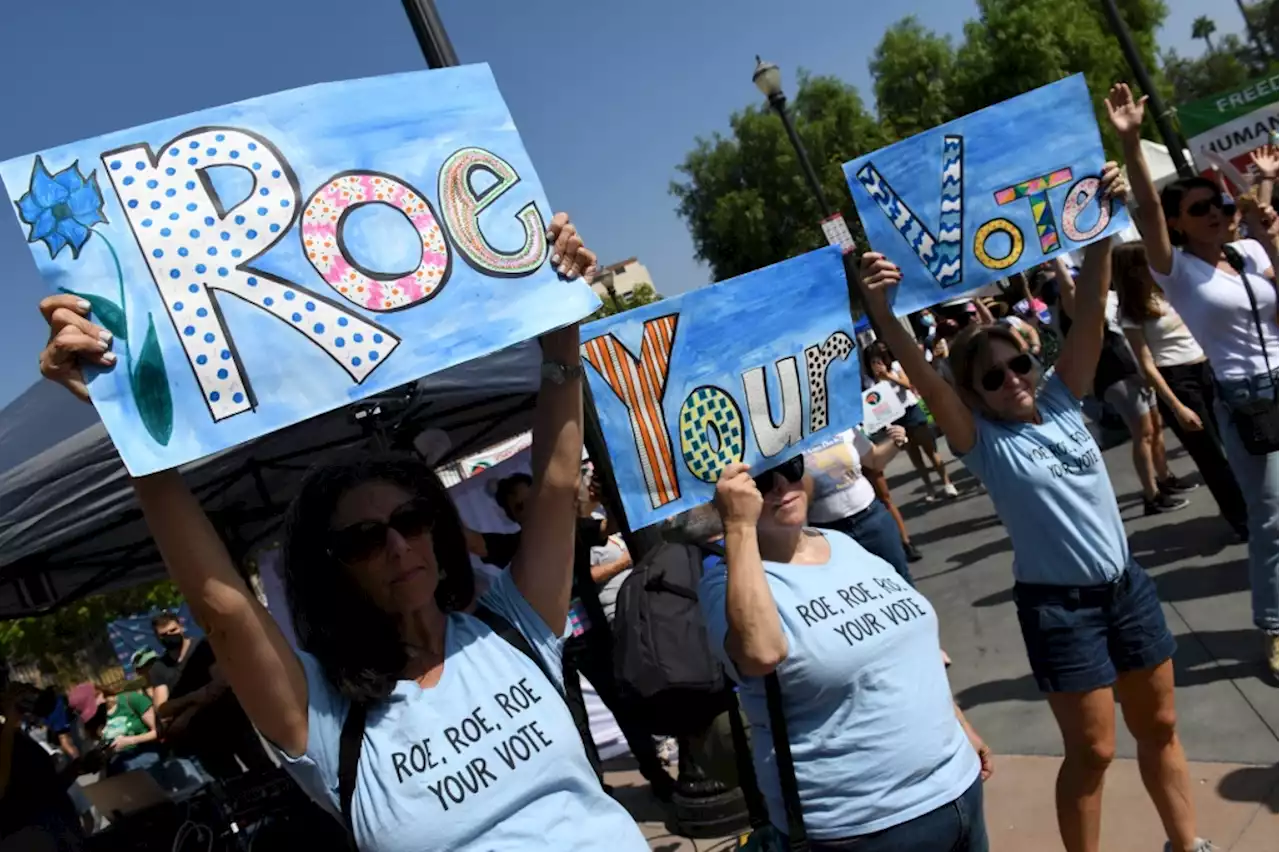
364	539
1201	207
1019	365
792	470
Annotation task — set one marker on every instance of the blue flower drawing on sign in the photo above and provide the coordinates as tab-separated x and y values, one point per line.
62	209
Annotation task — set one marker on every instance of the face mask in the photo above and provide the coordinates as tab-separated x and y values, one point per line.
928	320
172	641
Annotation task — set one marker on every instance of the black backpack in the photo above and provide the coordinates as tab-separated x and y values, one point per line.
662	663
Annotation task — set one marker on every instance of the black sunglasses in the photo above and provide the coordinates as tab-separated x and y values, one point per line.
1019	365
1201	207
365	539
792	470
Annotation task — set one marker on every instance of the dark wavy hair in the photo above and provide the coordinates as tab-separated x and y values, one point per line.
1171	200
356	643
1134	286
507	487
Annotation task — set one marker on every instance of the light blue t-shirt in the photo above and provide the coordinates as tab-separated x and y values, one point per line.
1051	490
488	759
870	718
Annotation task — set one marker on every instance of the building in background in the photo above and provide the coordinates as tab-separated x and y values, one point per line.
624	285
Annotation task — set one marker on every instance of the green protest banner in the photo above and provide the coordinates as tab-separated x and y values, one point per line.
1223	129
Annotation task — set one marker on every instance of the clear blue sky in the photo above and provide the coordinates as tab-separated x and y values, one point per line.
608	95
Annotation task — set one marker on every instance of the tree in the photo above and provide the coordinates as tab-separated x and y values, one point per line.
1226	68
642	294
57	641
744	196
1204	27
1017	45
912	68
1263	19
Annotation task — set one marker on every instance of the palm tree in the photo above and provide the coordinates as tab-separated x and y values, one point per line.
1203	27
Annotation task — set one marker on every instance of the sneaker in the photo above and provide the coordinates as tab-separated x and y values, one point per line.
1202	845
950	490
1164	503
913	555
1174	485
1273	655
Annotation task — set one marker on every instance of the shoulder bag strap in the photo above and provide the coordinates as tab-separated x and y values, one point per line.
797	837
570	695
1237	261
757	813
349	747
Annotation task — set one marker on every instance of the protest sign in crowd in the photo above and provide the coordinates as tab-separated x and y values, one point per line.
423	681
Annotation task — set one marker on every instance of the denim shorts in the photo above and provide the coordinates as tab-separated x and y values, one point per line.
913	418
1080	638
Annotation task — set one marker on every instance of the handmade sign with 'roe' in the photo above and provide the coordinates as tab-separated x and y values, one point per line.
982	197
754	369
371	232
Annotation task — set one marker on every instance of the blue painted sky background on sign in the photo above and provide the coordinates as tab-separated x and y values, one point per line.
737	325
608	96
404	125
1031	135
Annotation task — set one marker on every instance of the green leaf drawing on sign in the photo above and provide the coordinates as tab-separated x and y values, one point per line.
150	383
108	314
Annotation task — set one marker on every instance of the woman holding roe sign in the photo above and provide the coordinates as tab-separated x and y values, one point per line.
425	726
1090	619
884	760
1226	293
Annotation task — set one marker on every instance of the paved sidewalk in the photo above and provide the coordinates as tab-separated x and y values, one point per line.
1227	705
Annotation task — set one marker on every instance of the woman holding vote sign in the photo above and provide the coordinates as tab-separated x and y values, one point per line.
426	721
1226	293
1092	624
883	759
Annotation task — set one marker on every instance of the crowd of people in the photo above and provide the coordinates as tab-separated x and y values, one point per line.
426	710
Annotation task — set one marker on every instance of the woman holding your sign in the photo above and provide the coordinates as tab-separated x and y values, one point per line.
883	759
425	725
1090	619
1226	293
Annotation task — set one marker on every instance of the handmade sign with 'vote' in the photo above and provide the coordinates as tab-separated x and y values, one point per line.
982	197
755	369
264	262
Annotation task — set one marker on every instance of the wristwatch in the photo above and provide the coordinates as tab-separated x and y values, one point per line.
558	374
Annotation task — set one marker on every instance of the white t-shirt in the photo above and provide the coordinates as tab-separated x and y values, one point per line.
839	488
1215	306
1170	341
908	397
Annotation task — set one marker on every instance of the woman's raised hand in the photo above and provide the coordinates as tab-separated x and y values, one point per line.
568	255
879	274
1125	113
737	498
73	342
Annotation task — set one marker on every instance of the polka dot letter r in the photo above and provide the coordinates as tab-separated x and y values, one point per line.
194	246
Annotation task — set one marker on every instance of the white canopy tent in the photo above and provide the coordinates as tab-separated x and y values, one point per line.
69	523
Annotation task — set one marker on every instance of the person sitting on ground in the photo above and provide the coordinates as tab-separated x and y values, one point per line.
1226	293
1090	618
920	441
842	499
424	725
882	754
123	721
1176	367
1118	381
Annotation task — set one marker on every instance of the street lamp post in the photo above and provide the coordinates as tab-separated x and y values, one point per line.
1172	140
768	80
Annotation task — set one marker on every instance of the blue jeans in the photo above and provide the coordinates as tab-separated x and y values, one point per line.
1258	480
957	826
874	529
139	757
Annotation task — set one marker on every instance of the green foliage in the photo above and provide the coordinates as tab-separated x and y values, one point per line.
643	294
744	196
57	640
1204	27
912	68
1227	67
